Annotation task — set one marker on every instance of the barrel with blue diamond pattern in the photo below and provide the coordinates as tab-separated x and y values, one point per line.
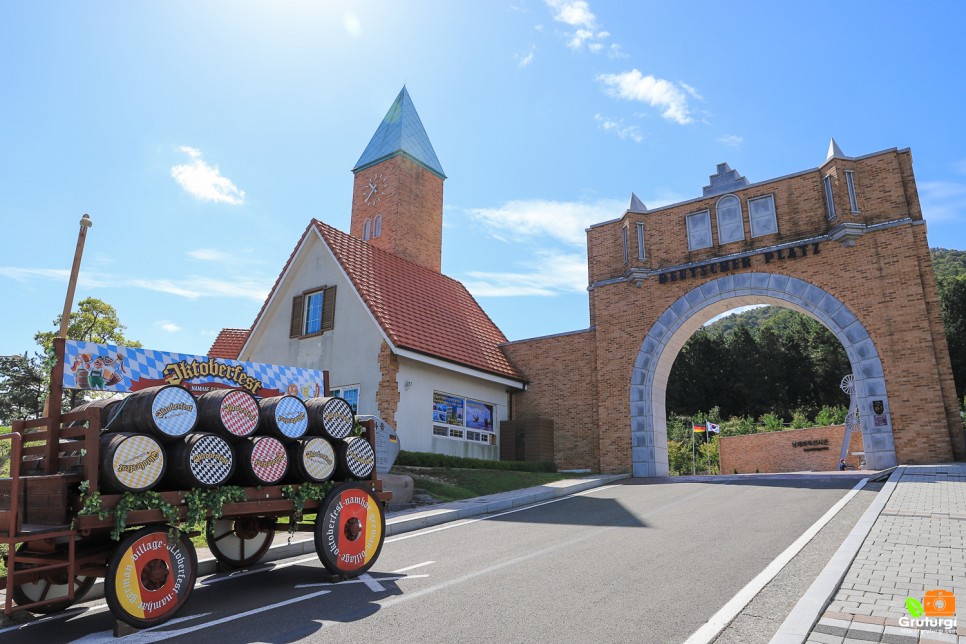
283	417
167	412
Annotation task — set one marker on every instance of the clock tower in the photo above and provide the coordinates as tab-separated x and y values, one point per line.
397	194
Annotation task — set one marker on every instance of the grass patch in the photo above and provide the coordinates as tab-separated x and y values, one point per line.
447	484
428	459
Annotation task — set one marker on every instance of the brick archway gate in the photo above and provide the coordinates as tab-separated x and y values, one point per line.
685	316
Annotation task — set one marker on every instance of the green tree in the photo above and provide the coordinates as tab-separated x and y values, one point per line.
93	321
22	390
952	302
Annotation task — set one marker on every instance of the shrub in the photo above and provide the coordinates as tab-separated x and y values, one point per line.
428	459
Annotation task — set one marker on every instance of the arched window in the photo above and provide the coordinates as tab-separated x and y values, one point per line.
377	226
365	229
730	225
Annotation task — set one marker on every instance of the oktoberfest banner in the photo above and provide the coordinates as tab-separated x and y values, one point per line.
106	367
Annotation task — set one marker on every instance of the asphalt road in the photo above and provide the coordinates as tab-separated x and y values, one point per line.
635	562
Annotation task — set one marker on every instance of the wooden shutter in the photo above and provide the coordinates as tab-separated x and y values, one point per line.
295	330
328	308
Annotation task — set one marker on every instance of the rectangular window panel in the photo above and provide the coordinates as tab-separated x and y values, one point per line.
640	240
440	431
313	313
456	433
699	230
730	226
850	182
830	202
624	242
762	215
351	396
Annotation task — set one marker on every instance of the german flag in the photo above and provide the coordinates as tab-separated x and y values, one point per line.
700	428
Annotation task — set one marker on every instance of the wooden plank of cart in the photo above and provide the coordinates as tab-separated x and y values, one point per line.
55	553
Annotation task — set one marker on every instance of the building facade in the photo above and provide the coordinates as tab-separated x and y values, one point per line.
844	243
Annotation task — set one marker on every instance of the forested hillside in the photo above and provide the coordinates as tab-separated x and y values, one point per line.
772	359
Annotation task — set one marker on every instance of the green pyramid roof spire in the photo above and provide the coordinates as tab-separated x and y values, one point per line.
401	132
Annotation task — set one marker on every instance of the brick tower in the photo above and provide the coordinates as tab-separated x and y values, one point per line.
397	194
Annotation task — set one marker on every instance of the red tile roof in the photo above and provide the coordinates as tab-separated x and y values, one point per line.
228	344
418	309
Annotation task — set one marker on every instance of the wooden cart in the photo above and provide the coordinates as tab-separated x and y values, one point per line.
55	553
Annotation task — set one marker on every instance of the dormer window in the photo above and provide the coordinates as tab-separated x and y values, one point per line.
730	225
313	312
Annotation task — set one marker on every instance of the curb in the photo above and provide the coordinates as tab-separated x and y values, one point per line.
806	613
411	520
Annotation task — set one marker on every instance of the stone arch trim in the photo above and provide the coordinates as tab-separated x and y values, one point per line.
683	317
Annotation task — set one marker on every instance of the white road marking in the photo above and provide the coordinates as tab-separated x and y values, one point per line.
147	636
459	524
729	611
359	580
219	577
108	636
413	567
371	583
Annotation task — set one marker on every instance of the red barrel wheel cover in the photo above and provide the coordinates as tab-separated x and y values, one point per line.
349	530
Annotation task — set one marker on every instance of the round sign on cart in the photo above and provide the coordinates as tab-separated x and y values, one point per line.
150	576
349	530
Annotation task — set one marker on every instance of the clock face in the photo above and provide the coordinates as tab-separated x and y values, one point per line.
375	188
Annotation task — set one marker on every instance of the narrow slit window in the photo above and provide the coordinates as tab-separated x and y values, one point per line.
624	242
850	182
366	226
377	226
640	240
827	182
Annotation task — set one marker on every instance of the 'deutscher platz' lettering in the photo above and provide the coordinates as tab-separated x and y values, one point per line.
844	243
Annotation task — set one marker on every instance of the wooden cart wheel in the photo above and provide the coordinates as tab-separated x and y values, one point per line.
349	530
150	576
51	587
240	542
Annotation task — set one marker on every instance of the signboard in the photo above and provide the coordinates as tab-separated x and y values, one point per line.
107	367
447	409
479	416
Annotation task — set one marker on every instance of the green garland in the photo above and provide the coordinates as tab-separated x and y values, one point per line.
200	502
299	494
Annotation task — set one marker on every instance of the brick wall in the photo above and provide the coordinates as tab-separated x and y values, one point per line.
387	395
561	371
411	209
783	451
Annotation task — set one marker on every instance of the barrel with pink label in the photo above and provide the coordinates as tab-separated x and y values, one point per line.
261	460
231	413
283	417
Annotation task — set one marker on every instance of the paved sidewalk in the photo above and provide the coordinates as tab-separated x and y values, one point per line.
917	544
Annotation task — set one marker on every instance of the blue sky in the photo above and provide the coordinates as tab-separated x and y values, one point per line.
203	136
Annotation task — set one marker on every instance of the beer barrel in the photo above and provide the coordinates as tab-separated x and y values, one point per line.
107	407
260	460
231	413
131	462
356	459
330	417
199	460
166	412
311	460
283	417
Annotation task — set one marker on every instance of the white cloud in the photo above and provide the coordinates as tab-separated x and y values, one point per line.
942	200
564	221
191	287
617	127
732	140
210	255
205	182
615	51
575	13
170	327
523	60
552	273
656	92
352	25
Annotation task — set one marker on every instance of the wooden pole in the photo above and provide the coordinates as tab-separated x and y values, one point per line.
85	223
